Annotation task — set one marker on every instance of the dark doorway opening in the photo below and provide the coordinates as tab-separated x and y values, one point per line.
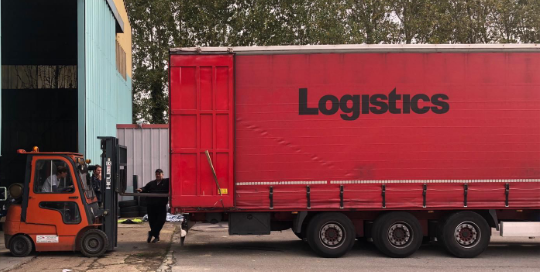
39	81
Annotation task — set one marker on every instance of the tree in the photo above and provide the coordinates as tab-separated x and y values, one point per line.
153	32
515	21
158	25
417	19
468	21
371	21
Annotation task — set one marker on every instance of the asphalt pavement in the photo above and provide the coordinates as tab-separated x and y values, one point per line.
210	248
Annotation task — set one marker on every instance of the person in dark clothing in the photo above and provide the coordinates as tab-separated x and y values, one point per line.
96	182
156	206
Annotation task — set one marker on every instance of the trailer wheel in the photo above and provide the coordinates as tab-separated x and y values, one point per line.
94	243
397	234
20	246
466	234
330	235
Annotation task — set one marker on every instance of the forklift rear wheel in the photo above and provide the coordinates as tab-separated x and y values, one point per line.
94	243
20	246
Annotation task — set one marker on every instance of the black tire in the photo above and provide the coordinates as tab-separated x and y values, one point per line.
397	234
143	211
127	203
94	243
129	214
129	209
331	235
142	201
21	246
466	234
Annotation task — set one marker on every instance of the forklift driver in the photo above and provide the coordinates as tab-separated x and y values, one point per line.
52	183
96	182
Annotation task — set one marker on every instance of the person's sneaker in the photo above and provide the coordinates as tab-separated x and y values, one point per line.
149	237
155	240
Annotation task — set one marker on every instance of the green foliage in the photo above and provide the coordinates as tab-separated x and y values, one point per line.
515	20
153	33
158	25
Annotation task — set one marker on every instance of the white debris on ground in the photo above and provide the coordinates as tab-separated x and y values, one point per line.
170	218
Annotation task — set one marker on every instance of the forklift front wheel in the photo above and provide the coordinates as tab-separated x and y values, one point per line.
94	243
20	246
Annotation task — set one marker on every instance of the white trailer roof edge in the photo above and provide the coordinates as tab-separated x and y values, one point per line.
359	48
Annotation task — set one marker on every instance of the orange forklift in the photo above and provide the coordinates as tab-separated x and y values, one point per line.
56	208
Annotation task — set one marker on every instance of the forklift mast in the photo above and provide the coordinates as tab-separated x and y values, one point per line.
3	201
114	176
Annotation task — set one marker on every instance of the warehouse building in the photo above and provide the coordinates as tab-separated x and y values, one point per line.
66	77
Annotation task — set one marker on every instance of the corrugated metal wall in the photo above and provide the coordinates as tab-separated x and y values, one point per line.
148	150
0	80
108	95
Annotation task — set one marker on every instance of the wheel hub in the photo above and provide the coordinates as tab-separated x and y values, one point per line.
399	234
93	243
19	247
467	234
332	235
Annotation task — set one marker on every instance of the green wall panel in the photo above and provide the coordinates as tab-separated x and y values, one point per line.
107	94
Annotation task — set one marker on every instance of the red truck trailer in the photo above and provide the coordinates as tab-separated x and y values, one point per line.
394	143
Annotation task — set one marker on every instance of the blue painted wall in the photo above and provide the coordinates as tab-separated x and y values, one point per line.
107	96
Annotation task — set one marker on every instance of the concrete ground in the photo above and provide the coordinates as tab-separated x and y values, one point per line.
132	254
210	248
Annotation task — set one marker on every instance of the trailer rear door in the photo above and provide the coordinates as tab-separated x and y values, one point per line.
201	119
